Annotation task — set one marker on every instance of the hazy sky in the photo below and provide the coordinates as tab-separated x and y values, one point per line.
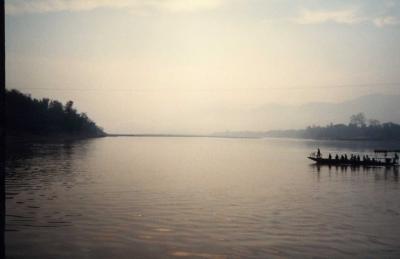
197	66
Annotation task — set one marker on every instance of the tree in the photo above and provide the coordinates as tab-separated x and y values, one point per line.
358	120
56	107
29	116
374	123
68	107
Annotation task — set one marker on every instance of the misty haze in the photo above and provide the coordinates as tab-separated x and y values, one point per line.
201	129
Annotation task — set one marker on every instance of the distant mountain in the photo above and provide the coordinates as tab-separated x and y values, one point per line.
375	106
284	120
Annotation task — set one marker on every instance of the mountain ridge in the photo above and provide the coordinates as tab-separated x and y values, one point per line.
375	106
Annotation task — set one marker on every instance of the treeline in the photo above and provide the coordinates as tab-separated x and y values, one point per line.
359	128
45	117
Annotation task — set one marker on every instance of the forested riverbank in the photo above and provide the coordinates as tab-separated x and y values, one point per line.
358	128
45	119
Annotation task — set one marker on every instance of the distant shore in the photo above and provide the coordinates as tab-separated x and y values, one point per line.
66	137
240	135
176	135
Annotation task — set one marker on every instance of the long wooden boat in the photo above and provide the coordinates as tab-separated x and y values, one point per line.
327	161
376	161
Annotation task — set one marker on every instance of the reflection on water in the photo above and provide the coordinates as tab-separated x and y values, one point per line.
197	198
378	173
30	182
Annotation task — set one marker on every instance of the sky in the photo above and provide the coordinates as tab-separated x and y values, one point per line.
200	66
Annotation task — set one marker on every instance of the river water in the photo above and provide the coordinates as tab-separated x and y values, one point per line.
131	197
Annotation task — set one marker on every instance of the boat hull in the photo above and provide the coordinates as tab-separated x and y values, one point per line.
327	161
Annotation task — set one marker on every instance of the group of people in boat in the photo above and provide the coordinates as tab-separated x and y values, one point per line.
355	159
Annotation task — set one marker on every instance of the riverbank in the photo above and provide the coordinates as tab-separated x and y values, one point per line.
174	136
53	138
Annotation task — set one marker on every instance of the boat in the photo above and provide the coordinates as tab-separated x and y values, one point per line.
355	160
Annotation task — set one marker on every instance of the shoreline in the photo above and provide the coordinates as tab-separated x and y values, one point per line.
10	139
176	136
65	137
247	137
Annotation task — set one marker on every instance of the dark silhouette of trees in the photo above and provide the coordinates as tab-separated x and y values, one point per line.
357	129
28	116
358	120
374	123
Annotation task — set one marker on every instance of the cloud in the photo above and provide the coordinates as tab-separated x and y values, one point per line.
349	16
344	17
14	7
187	5
386	20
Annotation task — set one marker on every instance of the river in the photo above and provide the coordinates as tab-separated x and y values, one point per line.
149	197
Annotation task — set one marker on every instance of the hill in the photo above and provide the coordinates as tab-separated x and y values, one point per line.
359	128
379	106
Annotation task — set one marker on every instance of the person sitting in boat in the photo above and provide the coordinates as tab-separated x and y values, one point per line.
396	157
330	156
318	153
337	157
345	158
367	159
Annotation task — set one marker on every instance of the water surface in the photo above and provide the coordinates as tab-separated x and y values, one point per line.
197	198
